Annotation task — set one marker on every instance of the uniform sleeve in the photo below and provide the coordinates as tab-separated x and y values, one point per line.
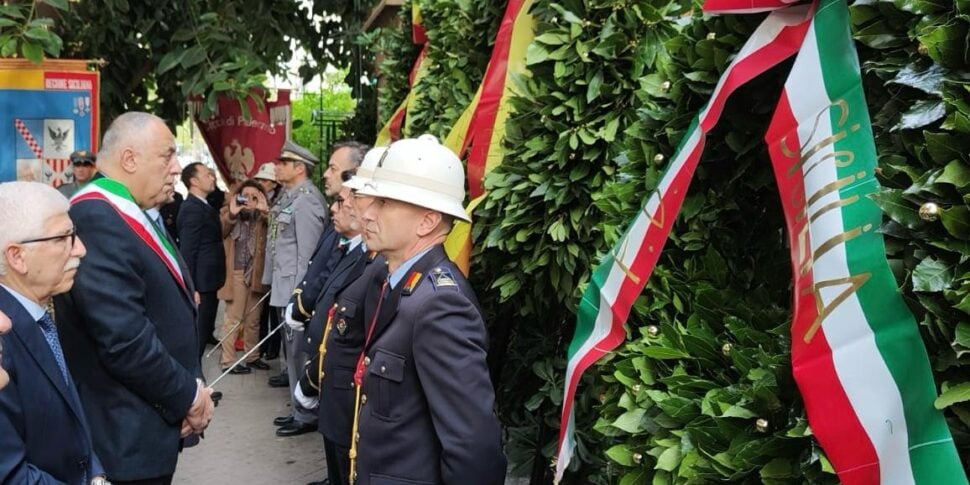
14	467
317	273
308	216
110	294
449	354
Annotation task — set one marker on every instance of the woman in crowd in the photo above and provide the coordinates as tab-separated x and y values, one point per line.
244	221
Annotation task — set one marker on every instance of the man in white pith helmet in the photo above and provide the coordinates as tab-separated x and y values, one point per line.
425	411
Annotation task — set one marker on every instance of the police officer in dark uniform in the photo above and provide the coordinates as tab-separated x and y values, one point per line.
335	335
425	403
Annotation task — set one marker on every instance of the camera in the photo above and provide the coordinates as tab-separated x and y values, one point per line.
241	199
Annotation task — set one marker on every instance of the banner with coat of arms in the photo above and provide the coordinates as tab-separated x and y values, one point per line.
47	111
240	145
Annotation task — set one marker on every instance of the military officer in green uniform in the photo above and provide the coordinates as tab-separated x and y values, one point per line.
425	403
296	223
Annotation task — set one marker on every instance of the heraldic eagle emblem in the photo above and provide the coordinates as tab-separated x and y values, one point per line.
58	136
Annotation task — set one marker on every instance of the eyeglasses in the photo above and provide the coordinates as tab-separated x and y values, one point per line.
72	235
84	163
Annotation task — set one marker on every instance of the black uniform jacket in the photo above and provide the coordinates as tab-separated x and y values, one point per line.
130	340
428	404
344	344
348	268
322	263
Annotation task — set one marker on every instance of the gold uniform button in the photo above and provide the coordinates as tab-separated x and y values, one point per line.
363	399
366	361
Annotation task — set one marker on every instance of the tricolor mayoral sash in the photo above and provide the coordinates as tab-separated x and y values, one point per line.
119	198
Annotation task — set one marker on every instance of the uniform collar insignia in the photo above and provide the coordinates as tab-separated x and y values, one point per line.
414	279
442	278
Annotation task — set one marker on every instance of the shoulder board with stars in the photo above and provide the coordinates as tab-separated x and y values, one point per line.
442	278
414	279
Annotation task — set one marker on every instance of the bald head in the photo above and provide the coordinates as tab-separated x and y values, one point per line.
138	150
126	130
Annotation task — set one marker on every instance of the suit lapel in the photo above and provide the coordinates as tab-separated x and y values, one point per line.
433	258
188	289
30	335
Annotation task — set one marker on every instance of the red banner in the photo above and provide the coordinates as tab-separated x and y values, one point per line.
238	145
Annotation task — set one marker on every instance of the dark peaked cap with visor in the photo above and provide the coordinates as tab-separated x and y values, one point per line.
293	152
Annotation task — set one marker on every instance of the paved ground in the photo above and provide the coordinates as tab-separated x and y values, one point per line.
241	446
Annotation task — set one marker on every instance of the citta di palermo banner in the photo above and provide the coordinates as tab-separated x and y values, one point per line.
47	111
239	145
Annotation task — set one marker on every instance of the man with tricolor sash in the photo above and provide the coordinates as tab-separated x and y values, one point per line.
128	324
425	403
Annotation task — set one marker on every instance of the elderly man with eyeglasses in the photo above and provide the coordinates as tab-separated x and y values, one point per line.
44	436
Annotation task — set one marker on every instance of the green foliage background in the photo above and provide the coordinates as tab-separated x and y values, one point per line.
613	86
158	54
333	100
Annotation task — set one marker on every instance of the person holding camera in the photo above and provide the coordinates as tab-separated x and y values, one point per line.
244	240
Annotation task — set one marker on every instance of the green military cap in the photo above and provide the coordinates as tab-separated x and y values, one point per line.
83	156
296	153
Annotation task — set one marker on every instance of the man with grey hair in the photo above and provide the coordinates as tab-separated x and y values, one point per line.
129	321
43	431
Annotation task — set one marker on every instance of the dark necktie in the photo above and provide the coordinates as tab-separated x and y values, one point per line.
50	334
159	225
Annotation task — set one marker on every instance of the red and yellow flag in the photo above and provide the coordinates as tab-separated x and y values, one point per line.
398	121
479	131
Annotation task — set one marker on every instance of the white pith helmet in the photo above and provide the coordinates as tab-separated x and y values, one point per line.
267	171
422	172
366	169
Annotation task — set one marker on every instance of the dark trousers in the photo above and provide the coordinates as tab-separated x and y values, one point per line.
208	305
148	481
338	462
267	322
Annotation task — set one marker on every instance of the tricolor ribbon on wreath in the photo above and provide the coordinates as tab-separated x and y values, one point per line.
857	355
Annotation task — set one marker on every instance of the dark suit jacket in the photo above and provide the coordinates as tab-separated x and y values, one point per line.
170	214
429	415
44	437
129	336
200	241
322	263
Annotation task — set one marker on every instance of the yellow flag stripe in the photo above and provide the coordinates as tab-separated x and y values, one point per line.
459	242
